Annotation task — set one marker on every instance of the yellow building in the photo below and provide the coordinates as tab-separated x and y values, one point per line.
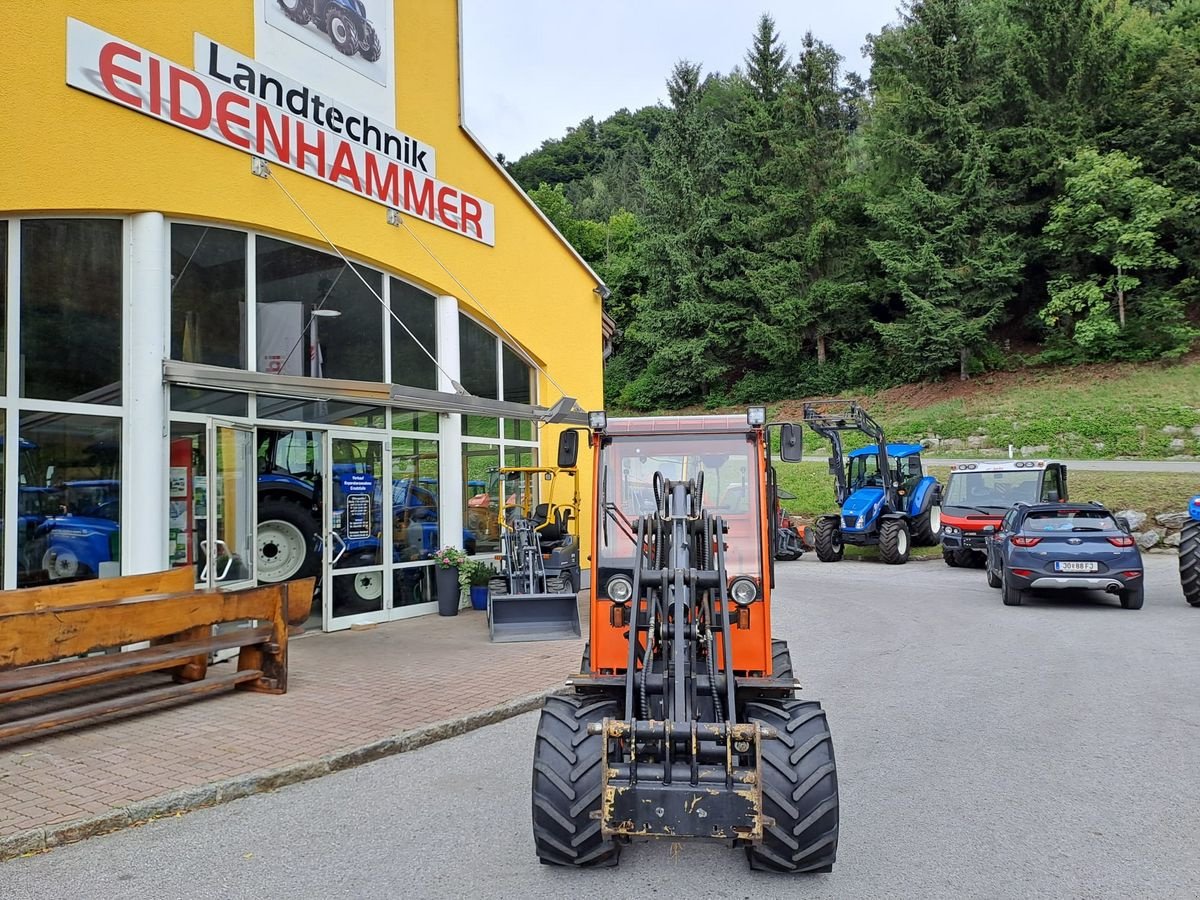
270	308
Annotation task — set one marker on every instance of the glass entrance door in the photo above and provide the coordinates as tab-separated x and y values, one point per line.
229	560
356	508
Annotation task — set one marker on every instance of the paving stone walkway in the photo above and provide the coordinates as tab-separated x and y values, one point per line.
346	690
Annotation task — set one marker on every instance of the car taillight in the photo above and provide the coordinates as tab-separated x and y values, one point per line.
1131	573
1024	573
1022	541
1123	540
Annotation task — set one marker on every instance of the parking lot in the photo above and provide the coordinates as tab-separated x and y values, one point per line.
1046	750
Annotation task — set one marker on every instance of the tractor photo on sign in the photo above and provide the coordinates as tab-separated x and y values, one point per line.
343	30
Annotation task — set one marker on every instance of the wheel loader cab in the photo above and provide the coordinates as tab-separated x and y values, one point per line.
727	459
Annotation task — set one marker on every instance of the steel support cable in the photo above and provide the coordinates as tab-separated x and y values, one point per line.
476	301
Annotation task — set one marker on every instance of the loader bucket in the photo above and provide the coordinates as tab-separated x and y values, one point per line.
534	617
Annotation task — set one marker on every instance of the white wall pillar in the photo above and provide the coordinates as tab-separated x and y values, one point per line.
145	452
450	487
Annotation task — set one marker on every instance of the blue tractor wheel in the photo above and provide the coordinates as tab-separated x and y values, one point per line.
827	536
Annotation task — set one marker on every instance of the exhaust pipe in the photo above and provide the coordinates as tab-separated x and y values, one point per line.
1112	588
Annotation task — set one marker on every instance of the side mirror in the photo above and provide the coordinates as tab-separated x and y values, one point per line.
989	529
791	443
833	466
568	449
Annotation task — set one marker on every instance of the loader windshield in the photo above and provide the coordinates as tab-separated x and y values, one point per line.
731	490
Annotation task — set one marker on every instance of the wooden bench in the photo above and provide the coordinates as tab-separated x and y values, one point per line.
41	638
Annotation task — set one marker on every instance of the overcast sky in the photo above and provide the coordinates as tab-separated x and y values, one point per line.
531	68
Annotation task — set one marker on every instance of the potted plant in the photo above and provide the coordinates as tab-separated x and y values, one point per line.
448	563
481	574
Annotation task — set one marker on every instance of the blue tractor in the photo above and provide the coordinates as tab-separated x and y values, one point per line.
1189	553
885	498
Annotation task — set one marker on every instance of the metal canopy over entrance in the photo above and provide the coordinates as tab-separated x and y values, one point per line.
564	412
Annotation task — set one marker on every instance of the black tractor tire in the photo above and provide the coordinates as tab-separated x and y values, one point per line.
799	788
342	30
1134	597
567	783
781	660
298	517
922	530
370	47
299	11
1189	562
827	537
1011	596
894	541
958	557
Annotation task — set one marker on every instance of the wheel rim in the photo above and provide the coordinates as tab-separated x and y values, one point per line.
935	519
337	30
281	550
368	586
902	542
61	563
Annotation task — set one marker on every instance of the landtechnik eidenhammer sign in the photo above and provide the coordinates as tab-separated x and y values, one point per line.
380	164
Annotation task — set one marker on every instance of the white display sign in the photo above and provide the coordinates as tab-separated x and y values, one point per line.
252	77
123	73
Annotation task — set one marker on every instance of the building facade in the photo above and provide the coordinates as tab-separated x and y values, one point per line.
270	309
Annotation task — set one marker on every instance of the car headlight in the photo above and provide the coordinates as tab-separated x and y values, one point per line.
619	589
743	591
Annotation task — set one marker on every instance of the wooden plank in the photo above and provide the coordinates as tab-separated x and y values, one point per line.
142	700
81	593
48	635
36	681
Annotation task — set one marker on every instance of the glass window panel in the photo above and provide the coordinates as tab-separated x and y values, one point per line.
71	309
213	403
413	585
480	463
481	426
518	378
518	429
417	309
477	358
70	498
415	507
408	420
329	412
208	295
315	316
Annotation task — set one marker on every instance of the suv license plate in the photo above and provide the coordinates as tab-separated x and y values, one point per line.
1076	566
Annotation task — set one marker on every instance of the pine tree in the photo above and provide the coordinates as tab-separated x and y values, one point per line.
949	264
766	62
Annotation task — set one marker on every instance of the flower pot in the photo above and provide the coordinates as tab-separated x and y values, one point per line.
447	591
479	597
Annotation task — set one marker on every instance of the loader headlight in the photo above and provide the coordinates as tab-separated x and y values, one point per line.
619	589
949	529
598	420
743	591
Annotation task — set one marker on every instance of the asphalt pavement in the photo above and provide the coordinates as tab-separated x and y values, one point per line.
1047	750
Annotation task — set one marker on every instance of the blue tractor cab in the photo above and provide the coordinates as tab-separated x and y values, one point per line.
884	496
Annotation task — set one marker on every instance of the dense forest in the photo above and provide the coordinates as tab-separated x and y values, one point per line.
1015	182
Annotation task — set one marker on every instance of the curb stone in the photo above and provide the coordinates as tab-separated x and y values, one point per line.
38	840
